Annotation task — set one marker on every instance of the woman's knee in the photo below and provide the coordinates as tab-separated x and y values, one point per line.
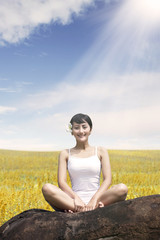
45	188
122	190
48	189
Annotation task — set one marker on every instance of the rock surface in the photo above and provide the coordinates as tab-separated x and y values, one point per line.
132	219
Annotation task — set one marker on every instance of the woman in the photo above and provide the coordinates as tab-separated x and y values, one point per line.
84	164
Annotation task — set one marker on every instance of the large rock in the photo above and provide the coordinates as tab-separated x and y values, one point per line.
132	219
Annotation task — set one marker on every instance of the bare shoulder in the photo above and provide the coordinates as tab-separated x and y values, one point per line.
63	155
102	152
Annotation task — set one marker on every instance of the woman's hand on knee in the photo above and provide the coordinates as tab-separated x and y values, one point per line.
93	204
79	205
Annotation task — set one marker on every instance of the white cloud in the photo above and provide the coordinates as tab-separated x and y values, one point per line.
19	18
134	123
7	90
27	145
135	144
3	79
10	130
141	122
125	113
27	83
126	129
4	110
118	92
122	108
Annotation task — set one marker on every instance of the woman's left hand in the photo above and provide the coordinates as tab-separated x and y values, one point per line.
93	204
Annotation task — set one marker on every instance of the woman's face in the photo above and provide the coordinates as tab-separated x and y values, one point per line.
81	131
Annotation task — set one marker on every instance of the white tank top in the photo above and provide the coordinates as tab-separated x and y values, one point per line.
85	175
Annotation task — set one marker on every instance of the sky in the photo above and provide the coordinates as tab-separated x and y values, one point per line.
98	57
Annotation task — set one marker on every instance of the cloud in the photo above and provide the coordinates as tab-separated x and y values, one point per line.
124	107
43	54
20	18
32	144
118	92
3	79
4	110
7	90
128	129
111	1
27	83
133	123
71	94
135	144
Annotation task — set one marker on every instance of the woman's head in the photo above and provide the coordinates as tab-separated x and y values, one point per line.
81	118
81	127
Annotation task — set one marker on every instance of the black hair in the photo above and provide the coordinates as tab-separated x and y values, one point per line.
81	118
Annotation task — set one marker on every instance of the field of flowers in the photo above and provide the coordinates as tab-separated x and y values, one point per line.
22	175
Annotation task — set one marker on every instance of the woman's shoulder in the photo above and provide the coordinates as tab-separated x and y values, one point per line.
102	151
64	154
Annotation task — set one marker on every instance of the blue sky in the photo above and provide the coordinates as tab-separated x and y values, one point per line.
59	58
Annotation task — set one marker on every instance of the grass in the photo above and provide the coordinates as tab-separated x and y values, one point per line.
22	175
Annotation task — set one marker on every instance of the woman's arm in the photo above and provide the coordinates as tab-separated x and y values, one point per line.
106	172
62	174
62	181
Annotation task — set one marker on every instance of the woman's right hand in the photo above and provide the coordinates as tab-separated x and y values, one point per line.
79	205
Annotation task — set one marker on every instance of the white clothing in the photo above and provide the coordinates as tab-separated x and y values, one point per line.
85	175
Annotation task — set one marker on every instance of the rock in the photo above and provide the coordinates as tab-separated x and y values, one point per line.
132	219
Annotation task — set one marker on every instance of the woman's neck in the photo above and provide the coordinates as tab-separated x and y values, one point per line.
82	146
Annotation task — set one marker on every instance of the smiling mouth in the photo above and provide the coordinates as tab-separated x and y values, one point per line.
81	136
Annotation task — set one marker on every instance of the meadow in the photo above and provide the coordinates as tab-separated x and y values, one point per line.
22	175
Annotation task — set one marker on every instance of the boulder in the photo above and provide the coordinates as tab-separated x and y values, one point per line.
137	219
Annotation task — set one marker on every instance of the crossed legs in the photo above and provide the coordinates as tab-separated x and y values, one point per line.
57	198
62	201
115	194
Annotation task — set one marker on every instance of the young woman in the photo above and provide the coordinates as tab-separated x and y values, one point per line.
84	164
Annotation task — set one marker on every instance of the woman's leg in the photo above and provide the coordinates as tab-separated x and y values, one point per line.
57	198
115	194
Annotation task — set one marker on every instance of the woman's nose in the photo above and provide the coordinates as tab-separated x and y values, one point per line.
81	129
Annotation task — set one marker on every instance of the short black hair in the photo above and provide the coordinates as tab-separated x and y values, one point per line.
81	118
